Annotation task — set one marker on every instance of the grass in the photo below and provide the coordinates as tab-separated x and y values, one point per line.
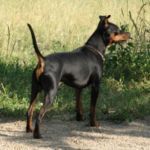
59	25
63	26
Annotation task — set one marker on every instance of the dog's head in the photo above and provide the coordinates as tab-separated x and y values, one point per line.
111	32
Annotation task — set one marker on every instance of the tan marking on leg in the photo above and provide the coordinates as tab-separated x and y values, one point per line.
40	69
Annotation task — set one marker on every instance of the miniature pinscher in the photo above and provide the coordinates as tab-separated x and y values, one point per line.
80	68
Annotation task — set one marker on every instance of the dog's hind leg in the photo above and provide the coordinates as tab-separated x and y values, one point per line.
50	89
46	105
79	109
34	91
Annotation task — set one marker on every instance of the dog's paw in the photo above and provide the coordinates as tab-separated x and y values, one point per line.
37	135
79	117
28	130
94	124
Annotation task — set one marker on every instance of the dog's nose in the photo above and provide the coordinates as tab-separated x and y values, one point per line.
129	35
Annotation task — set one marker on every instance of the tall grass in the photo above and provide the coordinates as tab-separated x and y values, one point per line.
59	25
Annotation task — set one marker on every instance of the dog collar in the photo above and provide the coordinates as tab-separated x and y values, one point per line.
96	51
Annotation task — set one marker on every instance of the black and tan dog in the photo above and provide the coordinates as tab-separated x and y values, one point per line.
78	69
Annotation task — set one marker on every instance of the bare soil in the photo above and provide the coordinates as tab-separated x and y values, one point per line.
71	135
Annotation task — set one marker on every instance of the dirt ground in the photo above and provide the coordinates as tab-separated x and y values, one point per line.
71	135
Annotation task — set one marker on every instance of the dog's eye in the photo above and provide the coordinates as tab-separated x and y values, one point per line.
116	33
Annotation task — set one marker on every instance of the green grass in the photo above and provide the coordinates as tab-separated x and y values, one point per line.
63	26
117	101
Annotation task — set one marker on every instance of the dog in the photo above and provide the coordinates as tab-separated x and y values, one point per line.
78	69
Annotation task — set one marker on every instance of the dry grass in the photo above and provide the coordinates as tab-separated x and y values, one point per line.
59	25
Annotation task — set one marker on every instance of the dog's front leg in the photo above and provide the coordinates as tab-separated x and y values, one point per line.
79	109
94	96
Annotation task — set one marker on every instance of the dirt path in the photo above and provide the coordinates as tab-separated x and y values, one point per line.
72	135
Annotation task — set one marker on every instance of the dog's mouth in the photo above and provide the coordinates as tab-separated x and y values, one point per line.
118	38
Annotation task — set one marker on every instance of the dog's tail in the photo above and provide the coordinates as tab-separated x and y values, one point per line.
37	51
40	67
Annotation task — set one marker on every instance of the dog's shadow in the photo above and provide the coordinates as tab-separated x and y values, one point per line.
60	134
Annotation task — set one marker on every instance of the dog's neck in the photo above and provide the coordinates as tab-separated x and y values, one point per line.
97	41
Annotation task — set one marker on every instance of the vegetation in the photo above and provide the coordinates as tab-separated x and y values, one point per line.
63	26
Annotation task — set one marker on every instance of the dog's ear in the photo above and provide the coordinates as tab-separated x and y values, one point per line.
108	16
104	20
